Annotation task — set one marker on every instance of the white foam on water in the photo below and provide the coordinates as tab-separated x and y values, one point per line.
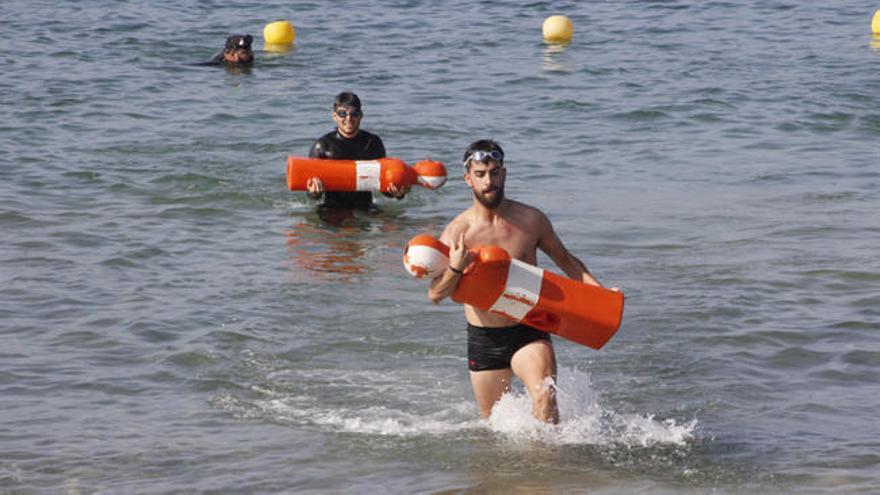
583	419
374	420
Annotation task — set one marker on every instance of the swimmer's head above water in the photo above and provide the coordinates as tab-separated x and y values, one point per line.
484	172
347	114
238	49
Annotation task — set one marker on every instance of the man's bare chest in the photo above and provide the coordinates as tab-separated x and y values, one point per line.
517	241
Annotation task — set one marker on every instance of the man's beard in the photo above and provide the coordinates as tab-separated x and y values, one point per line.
490	203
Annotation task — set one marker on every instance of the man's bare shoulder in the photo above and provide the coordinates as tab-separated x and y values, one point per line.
458	225
526	212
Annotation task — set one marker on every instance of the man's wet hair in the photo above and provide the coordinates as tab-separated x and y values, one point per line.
347	99
487	145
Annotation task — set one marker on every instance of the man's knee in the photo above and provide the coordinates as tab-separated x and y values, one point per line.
545	391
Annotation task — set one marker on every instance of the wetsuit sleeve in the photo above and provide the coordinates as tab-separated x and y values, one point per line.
217	59
318	150
380	148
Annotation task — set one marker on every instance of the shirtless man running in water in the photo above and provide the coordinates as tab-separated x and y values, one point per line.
497	348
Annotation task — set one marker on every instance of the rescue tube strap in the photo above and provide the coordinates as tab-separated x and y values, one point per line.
521	292
368	173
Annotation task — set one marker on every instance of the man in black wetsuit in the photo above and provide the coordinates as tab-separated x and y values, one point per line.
348	142
237	52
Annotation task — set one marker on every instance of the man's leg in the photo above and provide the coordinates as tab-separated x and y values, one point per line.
533	364
489	386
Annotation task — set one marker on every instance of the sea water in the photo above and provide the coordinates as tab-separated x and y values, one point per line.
175	320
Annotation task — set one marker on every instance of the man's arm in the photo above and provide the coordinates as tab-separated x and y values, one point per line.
315	187
550	243
380	147
376	148
459	258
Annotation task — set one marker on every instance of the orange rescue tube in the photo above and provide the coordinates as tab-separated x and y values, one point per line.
363	175
499	284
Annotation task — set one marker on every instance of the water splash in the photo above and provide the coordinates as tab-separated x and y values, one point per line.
584	420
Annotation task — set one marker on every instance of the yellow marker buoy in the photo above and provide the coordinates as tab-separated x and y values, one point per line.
875	23
557	29
279	33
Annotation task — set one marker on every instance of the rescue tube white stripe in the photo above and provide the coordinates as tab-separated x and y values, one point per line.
432	181
368	175
521	292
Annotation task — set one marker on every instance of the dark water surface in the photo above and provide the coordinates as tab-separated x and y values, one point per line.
174	320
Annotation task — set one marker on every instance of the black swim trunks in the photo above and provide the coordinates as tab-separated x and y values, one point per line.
493	348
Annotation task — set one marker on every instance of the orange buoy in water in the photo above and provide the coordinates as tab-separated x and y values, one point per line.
363	175
499	284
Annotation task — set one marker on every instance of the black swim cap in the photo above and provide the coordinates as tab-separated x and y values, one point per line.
239	41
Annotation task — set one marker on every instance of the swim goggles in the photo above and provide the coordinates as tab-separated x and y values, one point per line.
482	156
354	114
